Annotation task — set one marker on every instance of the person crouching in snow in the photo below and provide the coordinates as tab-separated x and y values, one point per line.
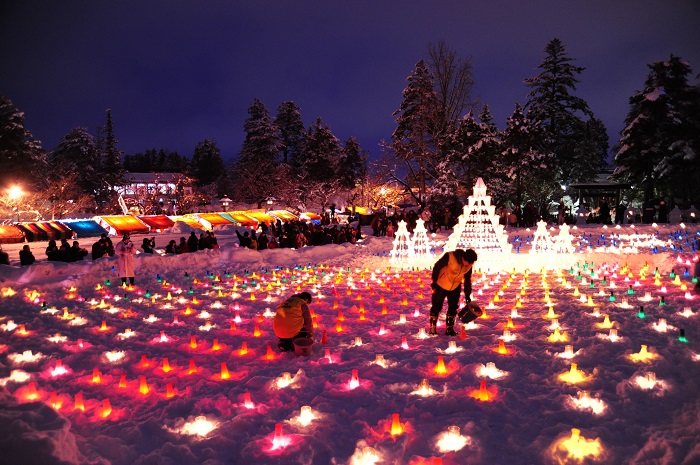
293	320
125	251
448	273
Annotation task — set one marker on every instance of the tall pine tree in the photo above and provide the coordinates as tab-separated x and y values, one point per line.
563	118
412	141
77	156
659	144
22	159
291	129
207	166
318	174
256	171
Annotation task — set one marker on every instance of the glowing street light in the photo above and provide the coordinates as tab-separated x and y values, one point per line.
15	194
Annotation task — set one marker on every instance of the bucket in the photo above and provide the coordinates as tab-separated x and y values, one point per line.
470	313
302	346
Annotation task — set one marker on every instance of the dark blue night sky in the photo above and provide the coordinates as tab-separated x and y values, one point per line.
177	72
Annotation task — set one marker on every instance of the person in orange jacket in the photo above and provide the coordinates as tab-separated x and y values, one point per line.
293	320
448	273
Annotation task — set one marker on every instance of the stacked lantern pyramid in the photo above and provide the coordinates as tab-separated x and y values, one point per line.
478	226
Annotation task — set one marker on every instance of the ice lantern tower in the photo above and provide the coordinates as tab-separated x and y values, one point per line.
403	253
478	226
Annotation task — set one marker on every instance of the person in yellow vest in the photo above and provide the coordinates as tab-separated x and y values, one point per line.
293	320
448	273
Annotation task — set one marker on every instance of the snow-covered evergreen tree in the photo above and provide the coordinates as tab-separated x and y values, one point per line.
659	144
77	156
352	164
318	176
563	118
207	166
110	165
527	169
291	129
256	170
22	159
412	142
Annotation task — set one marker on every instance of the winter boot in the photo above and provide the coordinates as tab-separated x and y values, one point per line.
450	323
433	325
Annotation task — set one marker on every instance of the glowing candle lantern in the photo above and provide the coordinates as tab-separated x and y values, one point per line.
216	346
32	393
643	355
354	380
327	356
338	327
579	448
247	402
402	319
502	347
396	426
382	329
558	336
568	351
358	341
143	386
106	408
509	323
404	342
166	365
574	375
122	381
270	354
483	394
96	376
384	310
607	324
440	367
104	326
79	403
284	380
306	415
341	317
379	360
193	342
192	369
224	371
244	348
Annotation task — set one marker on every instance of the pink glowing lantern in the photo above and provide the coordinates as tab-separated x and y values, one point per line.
106	408
354	380
247	402
404	342
79	404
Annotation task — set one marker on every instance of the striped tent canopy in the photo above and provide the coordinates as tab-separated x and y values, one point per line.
11	234
260	216
85	228
45	230
283	215
157	222
215	219
310	216
119	224
240	217
191	221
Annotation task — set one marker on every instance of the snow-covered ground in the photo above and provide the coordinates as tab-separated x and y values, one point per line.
183	368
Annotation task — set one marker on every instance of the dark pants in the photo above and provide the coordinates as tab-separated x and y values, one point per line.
438	299
131	280
287	343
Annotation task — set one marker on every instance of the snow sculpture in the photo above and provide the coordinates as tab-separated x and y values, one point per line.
478	225
542	241
402	252
563	242
421	246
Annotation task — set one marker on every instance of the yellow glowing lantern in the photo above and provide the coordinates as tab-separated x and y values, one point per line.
244	348
143	386
574	375
106	408
79	404
643	355
224	371
440	368
96	376
396	426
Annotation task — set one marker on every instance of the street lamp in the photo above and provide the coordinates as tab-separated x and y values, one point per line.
15	194
225	202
